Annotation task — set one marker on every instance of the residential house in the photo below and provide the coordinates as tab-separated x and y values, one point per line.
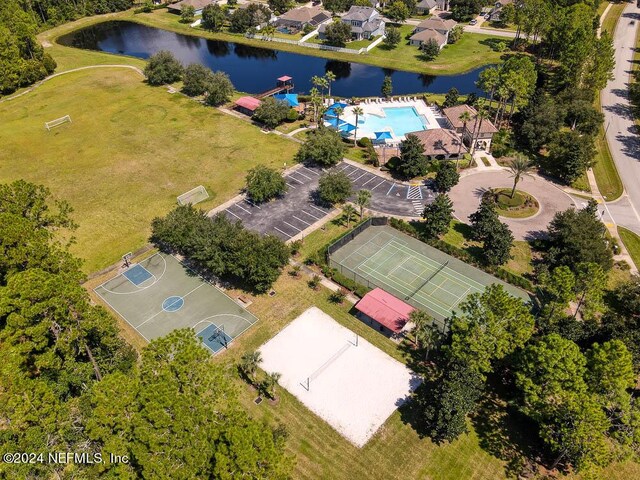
365	22
436	24
494	15
298	18
468	132
425	7
441	144
198	6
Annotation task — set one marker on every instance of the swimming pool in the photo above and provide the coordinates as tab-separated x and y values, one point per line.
400	120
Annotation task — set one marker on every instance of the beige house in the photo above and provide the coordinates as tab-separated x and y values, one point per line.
483	137
441	144
298	18
423	36
440	25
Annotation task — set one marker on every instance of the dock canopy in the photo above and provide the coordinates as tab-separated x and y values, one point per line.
385	309
248	103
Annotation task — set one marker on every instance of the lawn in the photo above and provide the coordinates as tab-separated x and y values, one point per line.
613	15
130	150
605	171
632	242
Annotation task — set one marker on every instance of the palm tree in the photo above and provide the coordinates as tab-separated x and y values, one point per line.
316	102
363	199
321	83
520	167
249	363
357	111
348	211
329	77
482	115
338	111
270	382
465	117
427	334
269	31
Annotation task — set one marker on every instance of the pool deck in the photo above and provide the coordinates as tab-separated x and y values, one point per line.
376	107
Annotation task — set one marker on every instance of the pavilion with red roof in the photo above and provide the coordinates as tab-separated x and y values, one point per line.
384	312
247	105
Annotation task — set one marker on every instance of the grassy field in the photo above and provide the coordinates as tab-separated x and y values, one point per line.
610	21
130	150
472	51
632	242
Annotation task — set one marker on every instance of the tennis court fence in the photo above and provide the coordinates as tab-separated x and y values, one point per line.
347	237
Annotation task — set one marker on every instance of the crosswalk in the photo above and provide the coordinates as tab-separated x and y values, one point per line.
414	192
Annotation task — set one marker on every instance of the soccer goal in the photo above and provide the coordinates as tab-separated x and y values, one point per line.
57	122
193	196
352	342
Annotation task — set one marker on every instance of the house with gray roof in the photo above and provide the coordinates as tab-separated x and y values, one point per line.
424	7
365	23
436	24
298	18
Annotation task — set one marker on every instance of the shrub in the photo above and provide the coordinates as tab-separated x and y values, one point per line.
163	68
264	183
219	89
364	142
293	115
196	78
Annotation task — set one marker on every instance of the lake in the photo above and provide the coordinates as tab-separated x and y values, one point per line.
255	69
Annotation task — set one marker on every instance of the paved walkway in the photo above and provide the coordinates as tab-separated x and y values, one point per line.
466	197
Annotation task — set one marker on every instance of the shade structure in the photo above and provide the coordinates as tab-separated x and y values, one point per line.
383	135
290	98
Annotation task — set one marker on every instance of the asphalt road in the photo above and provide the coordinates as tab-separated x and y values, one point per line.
622	136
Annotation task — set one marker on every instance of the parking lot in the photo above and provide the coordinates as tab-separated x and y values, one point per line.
286	217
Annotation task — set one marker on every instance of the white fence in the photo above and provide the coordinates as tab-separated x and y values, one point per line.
317	46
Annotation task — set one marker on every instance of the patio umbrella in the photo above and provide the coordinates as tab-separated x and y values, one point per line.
383	135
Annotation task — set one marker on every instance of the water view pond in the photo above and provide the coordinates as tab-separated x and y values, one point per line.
255	69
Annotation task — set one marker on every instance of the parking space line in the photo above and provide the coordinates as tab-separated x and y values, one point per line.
300	173
372	178
312	216
377	185
238	205
252	204
289	185
310	171
355	170
293	178
297	229
229	211
365	173
392	185
300	220
320	210
284	233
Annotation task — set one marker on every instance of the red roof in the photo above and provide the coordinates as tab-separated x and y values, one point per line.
250	103
385	309
284	78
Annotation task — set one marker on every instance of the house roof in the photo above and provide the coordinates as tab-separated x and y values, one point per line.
453	115
426	4
436	23
429	34
361	14
440	141
306	15
250	103
196	4
385	309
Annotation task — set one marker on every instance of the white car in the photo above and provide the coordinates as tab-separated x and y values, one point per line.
473	22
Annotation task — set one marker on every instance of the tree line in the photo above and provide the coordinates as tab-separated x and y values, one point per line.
71	384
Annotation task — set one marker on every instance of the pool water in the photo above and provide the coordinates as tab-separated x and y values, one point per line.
401	120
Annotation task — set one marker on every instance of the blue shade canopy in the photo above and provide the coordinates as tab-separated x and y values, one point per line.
291	98
383	135
347	127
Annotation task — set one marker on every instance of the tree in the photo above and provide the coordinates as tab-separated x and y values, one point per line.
357	111
591	282
557	290
264	183
323	146
243	19
497	244
279	6
447	177
465	118
330	77
334	187
219	89
600	64
363	199
451	98
455	34
622	320
269	384
578	234
430	49
484	220
163	68
337	112
490	326
582	116
438	216
272	112
187	14
445	404
508	14
412	162
392	37
337	33
519	167
387	87
195	79
464	10
250	362
398	11
610	374
348	212
570	154
213	17
541	121
427	334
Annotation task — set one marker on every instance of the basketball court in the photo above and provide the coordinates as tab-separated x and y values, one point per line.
413	271
160	294
346	381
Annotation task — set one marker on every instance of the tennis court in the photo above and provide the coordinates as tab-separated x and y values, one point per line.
160	294
413	271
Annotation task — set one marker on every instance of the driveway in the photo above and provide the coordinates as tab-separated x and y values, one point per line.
621	133
467	194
